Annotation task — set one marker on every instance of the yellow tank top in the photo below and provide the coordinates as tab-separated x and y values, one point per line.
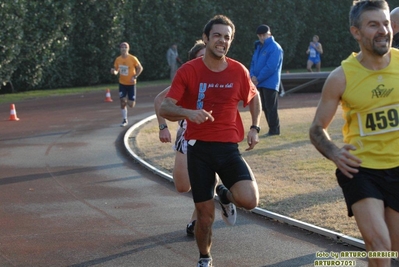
370	106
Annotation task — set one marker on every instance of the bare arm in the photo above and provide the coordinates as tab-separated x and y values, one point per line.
255	110
114	71
139	70
308	50
170	111
319	48
331	95
164	135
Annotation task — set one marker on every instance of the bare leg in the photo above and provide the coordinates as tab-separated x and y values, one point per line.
180	173
244	194
370	218
181	178
309	66
392	219
131	103
123	102
203	227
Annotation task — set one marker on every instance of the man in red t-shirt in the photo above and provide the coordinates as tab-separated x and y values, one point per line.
206	92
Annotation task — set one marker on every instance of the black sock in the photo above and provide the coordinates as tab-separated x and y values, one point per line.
205	255
223	196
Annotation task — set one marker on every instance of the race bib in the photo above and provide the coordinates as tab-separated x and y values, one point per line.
378	121
312	52
123	70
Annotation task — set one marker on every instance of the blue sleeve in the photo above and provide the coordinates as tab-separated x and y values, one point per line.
271	65
252	66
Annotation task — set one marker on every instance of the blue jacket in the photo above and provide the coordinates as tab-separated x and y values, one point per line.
266	64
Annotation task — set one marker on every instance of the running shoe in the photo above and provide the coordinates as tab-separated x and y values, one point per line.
190	228
124	123
229	212
205	262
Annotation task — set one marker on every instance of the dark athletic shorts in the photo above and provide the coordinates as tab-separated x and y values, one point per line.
370	183
204	159
127	90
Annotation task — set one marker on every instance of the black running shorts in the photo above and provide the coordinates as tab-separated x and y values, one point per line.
204	159
370	183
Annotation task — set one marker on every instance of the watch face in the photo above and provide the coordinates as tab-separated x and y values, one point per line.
162	126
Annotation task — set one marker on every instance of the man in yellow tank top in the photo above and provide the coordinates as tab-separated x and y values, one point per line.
129	68
367	87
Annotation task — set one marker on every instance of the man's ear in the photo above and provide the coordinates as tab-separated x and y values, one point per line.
205	38
355	32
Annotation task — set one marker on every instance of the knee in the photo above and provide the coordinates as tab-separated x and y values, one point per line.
205	221
182	188
248	203
206	214
132	103
377	242
123	103
245	194
182	181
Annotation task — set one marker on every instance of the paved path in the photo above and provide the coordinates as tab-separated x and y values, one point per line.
70	195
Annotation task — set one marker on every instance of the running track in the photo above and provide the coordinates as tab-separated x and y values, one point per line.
71	195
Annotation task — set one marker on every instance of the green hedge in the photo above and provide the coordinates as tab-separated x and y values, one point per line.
50	44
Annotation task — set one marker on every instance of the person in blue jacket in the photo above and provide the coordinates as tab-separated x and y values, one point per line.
265	72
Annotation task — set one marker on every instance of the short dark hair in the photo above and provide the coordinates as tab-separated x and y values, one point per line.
360	6
218	19
199	44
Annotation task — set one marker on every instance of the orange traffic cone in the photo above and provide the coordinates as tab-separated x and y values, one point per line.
108	96
13	113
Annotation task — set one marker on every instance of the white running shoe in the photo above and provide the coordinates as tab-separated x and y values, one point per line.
124	123
205	262
229	212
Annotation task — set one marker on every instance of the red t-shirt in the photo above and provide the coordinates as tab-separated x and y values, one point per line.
197	87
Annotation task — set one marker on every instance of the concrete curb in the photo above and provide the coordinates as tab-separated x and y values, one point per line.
281	218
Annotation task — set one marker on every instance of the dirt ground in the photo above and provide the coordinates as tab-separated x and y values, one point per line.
293	178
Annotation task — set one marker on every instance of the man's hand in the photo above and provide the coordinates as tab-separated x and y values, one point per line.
200	115
113	71
164	136
252	139
345	161
254	80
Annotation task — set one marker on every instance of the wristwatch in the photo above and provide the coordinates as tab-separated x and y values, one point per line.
163	126
257	128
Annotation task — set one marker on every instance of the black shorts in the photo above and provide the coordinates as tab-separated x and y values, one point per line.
127	90
370	183
204	159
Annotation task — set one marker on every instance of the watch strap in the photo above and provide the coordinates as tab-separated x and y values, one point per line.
257	128
163	126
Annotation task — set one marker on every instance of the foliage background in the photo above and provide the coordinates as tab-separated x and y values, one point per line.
47	44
